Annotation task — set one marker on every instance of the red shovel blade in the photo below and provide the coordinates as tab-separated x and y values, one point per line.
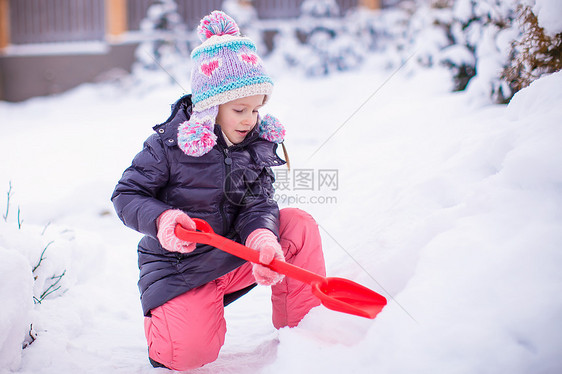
337	294
349	297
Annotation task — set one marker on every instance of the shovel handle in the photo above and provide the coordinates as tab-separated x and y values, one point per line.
206	235
338	294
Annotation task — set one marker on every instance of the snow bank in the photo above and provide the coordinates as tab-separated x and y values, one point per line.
549	14
450	210
462	225
16	283
39	264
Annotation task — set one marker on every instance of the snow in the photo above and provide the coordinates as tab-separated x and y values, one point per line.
450	209
549	14
14	269
462	10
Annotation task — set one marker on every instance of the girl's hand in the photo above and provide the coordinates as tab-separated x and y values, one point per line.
266	243
166	224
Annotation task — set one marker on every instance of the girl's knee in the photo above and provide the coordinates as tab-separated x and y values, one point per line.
296	222
299	234
184	355
288	214
195	358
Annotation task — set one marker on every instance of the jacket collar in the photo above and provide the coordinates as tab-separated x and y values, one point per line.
196	139
263	152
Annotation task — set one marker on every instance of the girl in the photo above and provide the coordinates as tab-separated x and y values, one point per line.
211	159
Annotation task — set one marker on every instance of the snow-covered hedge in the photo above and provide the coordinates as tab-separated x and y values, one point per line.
319	42
163	57
539	50
492	48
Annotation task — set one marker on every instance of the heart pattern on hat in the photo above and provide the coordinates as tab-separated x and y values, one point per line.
208	68
250	58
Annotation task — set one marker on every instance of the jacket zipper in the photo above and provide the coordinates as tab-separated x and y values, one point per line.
227	186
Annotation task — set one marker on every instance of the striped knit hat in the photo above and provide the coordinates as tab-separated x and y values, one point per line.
226	67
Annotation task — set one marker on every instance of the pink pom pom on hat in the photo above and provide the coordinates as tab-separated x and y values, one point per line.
217	23
271	129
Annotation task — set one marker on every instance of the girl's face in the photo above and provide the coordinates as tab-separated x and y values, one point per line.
238	117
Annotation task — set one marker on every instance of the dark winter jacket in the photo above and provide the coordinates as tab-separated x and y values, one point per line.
229	187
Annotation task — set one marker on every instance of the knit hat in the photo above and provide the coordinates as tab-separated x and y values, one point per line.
226	67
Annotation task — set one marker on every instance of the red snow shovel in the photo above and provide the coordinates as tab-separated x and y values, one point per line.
338	294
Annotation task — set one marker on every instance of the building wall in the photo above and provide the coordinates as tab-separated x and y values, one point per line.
50	46
88	35
23	77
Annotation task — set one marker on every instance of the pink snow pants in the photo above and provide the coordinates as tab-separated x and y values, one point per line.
188	331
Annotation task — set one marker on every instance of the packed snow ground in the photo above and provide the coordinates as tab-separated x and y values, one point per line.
449	209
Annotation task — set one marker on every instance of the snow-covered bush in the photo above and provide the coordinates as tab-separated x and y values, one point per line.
164	54
245	16
412	31
536	53
471	38
319	42
509	46
37	263
487	28
489	52
492	48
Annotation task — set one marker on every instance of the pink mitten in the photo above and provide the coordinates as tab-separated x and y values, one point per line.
166	224
265	241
